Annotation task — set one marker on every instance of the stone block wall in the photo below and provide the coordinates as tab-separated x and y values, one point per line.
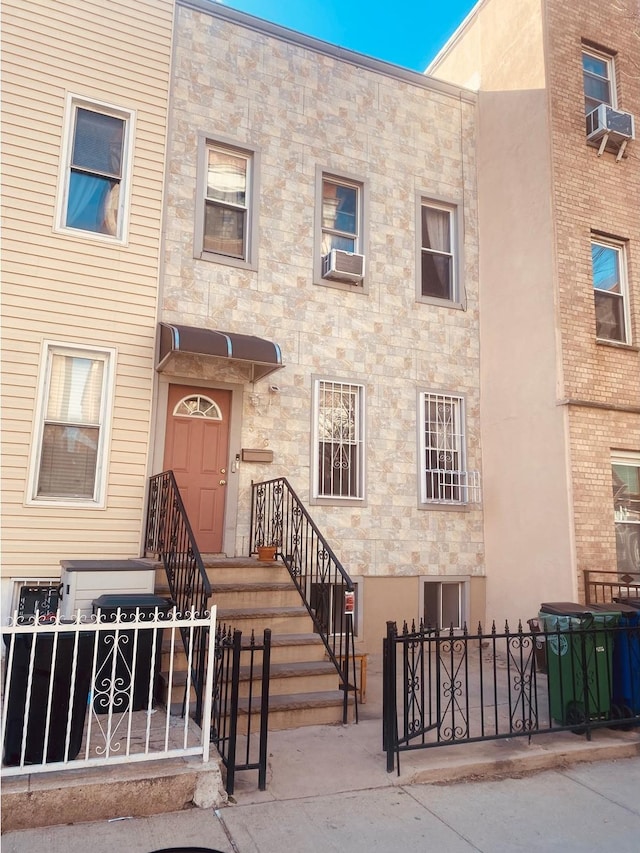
304	110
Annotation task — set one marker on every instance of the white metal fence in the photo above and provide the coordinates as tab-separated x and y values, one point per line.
88	692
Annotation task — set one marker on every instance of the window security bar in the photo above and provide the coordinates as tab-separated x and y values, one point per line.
453	486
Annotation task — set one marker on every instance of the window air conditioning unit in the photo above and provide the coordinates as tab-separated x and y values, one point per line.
338	265
604	121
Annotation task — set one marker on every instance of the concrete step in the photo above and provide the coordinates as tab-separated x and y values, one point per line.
255	594
285	648
296	710
239	570
288	648
279	619
285	678
250	571
297	677
251	596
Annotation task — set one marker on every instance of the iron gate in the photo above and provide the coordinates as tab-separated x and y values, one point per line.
442	687
239	724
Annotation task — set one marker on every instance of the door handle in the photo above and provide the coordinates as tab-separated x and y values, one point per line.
223	482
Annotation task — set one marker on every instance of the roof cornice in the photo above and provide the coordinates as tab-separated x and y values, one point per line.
360	60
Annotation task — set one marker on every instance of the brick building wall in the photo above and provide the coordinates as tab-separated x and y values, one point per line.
594	194
578	399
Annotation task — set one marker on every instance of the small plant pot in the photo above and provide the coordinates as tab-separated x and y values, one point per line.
266	552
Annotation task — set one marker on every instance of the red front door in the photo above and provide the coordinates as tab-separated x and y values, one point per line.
197	451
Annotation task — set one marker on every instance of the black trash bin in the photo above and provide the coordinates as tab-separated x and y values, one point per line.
48	673
112	685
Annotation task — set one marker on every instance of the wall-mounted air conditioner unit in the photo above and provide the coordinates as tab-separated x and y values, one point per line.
606	123
343	266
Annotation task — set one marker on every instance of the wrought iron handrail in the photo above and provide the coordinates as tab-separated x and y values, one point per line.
279	518
169	535
602	586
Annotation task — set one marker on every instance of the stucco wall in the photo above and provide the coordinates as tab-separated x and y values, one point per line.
527	500
499	46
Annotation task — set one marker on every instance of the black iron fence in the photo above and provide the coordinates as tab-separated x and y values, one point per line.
441	688
603	587
169	535
279	518
240	718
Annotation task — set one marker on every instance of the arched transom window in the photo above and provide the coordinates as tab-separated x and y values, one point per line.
198	406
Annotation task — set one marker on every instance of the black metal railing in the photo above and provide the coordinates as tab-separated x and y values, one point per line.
441	688
239	723
279	518
169	535
603	587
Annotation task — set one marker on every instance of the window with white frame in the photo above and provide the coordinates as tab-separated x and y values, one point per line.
610	290
625	473
437	258
96	173
339	440
226	222
444	603
341	215
443	464
70	448
598	80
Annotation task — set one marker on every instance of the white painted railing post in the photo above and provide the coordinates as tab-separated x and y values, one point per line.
82	693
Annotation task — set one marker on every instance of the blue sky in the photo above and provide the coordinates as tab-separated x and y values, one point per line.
405	32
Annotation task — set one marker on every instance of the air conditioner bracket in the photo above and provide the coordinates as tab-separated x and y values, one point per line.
603	144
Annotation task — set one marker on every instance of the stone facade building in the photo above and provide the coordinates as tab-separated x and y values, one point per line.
281	149
326	210
318	207
559	229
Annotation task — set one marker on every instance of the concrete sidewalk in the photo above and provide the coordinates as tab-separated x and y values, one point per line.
323	760
333	764
590	807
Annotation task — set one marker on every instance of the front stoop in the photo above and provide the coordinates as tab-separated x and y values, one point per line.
250	596
139	789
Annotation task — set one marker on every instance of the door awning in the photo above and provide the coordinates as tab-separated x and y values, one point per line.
262	357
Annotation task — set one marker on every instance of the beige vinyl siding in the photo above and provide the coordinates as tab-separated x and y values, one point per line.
68	287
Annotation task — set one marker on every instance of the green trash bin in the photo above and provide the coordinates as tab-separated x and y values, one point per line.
579	660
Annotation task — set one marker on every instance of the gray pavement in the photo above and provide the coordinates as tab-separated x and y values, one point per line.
328	790
590	807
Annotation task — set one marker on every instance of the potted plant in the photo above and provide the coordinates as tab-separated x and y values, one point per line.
267	552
